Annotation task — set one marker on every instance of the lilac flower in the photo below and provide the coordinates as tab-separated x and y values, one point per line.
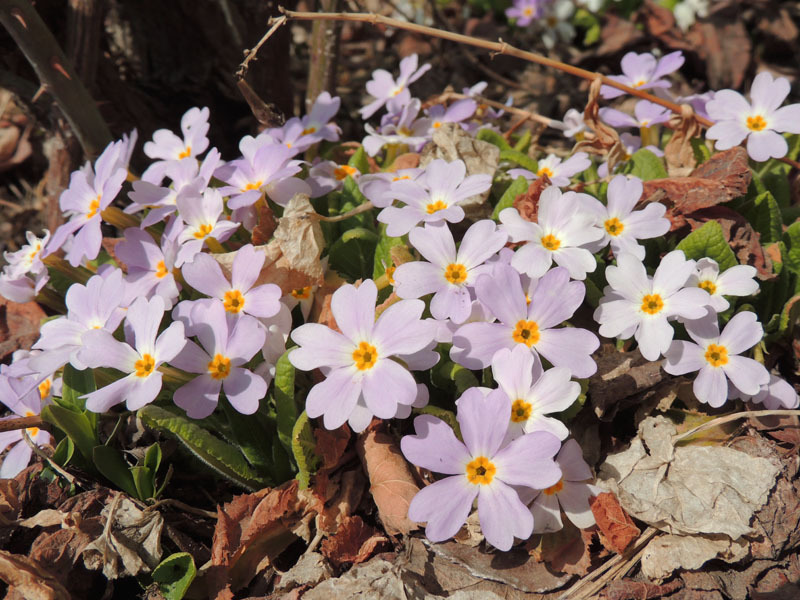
266	171
377	186
384	88
556	18
563	227
327	176
358	361
635	304
95	305
777	394
533	324
481	467
239	296
15	284
203	219
646	114
23	402
715	356
525	11
558	171
139	360
167	147
698	102
573	124
534	392
317	124
622	225
687	11
188	179
644	71
406	129
450	274
226	346
434	196
458	111
760	122
735	281
88	194
572	492
150	266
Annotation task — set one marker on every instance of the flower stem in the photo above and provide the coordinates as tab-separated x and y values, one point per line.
76	274
215	246
119	219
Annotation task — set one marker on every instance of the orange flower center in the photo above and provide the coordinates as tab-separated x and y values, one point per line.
551	242
435	207
390	274
343	171
32	431
455	273
756	123
161	269
716	355
708	286
145	365
203	231
481	471
526	332
545	171
94	206
186	153
220	367
614	226
301	293
309	130
253	186
652	304
520	411
554	489
365	356
233	301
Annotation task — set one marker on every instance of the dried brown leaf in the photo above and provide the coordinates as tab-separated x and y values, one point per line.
639	590
604	139
392	482
619	376
9	501
331	445
27	579
354	542
617	530
266	225
679	153
19	325
527	203
409	160
566	550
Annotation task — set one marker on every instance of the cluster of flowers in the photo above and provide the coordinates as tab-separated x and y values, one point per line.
497	308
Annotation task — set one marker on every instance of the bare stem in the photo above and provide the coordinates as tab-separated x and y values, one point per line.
21	423
361	208
735	417
38	452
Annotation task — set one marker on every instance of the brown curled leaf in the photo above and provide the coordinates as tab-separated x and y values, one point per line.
527	203
617	530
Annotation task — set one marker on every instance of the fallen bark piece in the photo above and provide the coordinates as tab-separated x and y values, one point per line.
667	553
639	590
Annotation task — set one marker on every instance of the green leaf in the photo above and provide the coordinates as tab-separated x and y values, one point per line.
152	458
764	215
63	452
113	467
352	254
212	451
145	481
383	256
709	240
359	160
646	166
491	136
174	575
791	258
251	437
517	187
285	405
450	376
701	151
524	142
304	450
75	425
75	384
523	160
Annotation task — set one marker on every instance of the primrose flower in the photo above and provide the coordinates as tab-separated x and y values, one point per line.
556	21
622	225
525	11
735	281
530	324
687	11
376	187
150	266
450	274
558	171
646	114
573	124
23	403
458	111
534	392
572	492
406	129
638	305
384	88
327	176
775	395
715	356
358	361
434	196
167	147
239	296
481	467
644	71
204	219
140	360
14	281
226	346
564	226
760	121
300	134
89	193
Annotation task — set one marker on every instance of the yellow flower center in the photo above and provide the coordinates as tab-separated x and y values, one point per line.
708	286
639	83
94	206
397	91
233	301
161	269
435	207
437	124
554	489
309	130
527	11
365	356
343	171
390	274
186	153
253	186
614	226
203	231
220	367
716	355
551	242
398	178
544	171
526	332
756	123
481	471
34	251
301	293
32	431
44	389
145	365
652	304
455	273
520	411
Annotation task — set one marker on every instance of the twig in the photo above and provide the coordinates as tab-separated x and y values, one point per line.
361	208
528	115
735	417
276	23
38	452
22	423
183	506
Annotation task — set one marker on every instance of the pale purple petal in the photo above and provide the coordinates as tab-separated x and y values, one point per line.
205	275
385	386
474	344
480	242
483	421
746	374
502	515
399	329
786	119
502	294
689	303
528	461
333	398
629	277
16	460
556	298
761	146
711	386
532	259
623	194
569	347
143	390
554	391
684	357
654	336
101	400
354	310
417	279
247	338
452	302
435	243
741	333
444	505
737	281
513	370
199	397
570	459
263	301
246	267
170	342
546	514
574	499
766	93
100	349
518	229
321	346
672	273
244	389
435	447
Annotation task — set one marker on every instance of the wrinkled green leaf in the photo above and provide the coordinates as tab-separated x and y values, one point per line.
524	142
174	575
645	165
701	150
285	405
383	256
63	452
252	437
76	384
352	254
764	215
709	240
145	481
491	136
75	425
359	160
152	458
304	450
517	187
523	160
212	451
791	258
451	376
113	467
